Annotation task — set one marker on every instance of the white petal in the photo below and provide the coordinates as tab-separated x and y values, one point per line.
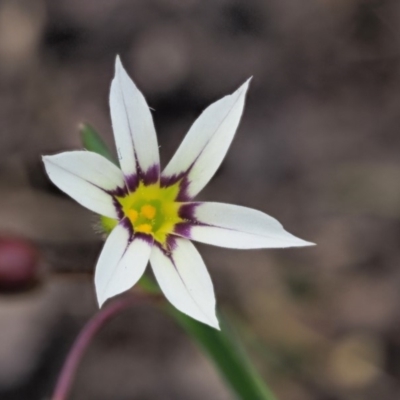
134	131
185	281
207	141
227	225
121	263
86	177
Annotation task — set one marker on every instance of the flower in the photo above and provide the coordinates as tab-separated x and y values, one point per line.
154	212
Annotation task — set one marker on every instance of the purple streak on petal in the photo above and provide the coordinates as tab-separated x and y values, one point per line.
183	186
119	191
132	182
183	192
152	175
126	223
168	246
167	181
146	238
183	229
118	207
187	211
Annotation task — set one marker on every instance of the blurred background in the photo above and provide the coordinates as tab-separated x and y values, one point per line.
318	148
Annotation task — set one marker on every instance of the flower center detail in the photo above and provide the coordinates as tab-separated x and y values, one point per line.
152	210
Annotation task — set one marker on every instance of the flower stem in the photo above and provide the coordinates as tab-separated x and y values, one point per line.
85	337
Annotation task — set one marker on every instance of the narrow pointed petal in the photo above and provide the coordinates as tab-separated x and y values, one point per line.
134	131
185	281
206	144
232	226
121	264
87	177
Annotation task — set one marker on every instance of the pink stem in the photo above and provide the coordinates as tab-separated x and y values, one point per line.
85	337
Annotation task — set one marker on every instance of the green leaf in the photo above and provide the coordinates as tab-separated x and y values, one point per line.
228	355
148	285
93	142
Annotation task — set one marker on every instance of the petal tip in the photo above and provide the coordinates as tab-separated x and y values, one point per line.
118	62
212	321
119	68
46	158
246	84
100	302
101	299
216	325
207	319
48	162
297	242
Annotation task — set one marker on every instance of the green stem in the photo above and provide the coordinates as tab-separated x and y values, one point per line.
84	339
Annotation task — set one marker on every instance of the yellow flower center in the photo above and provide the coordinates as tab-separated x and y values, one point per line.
152	209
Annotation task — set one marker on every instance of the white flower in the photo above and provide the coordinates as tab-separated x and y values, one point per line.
156	217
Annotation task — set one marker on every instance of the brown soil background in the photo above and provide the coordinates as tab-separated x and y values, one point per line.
318	148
